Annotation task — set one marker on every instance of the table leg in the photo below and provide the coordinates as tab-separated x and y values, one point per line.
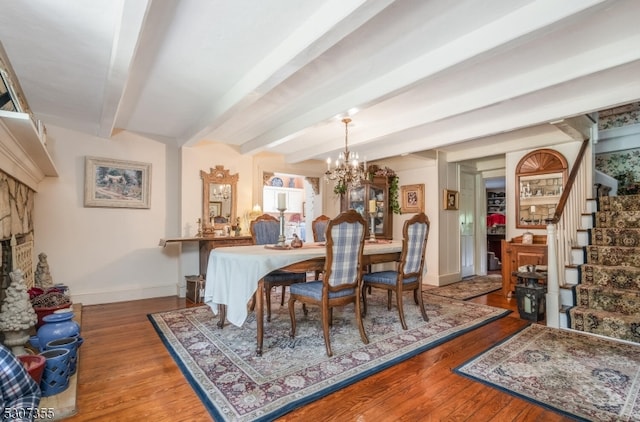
259	315
222	309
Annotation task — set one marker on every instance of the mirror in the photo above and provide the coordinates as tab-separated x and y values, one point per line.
540	178
218	200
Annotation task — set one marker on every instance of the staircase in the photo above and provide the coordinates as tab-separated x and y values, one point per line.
606	298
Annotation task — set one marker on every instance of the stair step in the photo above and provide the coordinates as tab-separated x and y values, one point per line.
618	219
622	301
571	274
577	255
614	276
566	295
592	205
607	236
583	237
612	255
619	203
586	221
610	324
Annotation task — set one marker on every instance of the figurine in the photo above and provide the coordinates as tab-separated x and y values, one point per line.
296	242
237	228
43	277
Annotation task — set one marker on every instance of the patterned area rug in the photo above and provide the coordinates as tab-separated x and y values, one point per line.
577	374
236	385
468	289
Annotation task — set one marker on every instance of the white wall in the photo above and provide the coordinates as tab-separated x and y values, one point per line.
106	254
427	175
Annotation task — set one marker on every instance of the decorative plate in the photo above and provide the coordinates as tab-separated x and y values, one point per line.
276	181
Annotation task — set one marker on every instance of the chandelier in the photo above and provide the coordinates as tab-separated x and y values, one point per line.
223	193
347	170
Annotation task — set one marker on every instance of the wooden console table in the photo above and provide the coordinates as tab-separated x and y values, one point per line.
515	254
206	244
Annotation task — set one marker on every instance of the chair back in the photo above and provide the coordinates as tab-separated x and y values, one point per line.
345	243
319	226
415	233
265	230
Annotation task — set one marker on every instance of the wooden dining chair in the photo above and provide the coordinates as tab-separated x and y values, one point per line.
319	226
408	275
265	230
341	281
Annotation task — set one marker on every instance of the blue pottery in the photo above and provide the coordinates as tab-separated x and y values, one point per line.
56	326
67	343
55	377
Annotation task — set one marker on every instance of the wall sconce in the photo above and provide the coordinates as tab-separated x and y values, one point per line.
530	294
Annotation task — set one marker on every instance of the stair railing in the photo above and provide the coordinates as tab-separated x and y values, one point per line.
562	229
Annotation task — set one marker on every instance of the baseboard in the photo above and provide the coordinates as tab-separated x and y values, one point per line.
123	295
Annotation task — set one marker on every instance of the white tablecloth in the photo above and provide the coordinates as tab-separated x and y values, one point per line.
233	273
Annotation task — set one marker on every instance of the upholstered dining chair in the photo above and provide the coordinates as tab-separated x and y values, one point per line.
319	225
408	275
265	230
341	281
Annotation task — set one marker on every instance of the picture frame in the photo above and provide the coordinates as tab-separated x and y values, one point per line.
111	183
215	208
412	198
450	200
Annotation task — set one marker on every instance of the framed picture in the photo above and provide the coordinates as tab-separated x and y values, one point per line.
450	200
215	209
412	199
116	183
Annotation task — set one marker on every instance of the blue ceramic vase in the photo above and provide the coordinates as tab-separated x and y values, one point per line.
57	326
55	378
68	343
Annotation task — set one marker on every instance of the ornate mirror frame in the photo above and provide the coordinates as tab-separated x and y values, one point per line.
217	176
540	179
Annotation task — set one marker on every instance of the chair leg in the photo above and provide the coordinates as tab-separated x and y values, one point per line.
252	303
421	304
325	329
415	297
282	297
267	295
292	316
363	334
389	293
400	309
363	293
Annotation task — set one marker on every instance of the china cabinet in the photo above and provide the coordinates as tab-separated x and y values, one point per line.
372	197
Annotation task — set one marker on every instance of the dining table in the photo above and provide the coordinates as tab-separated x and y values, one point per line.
235	273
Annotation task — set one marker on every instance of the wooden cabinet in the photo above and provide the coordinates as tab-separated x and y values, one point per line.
515	254
372	193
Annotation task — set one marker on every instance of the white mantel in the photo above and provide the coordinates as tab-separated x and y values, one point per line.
23	152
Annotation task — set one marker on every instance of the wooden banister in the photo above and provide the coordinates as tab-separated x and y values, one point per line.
570	181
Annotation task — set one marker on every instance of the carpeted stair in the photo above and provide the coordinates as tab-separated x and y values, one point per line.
607	298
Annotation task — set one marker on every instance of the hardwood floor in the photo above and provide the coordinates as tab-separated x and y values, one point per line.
126	374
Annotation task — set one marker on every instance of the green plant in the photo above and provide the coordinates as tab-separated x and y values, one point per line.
394	187
340	188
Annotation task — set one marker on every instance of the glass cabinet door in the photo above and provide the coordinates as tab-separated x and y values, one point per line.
356	199
371	196
377	196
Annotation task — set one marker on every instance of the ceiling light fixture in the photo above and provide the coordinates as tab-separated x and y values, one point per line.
347	170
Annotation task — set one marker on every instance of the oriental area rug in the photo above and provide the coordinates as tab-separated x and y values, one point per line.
470	288
236	385
580	375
